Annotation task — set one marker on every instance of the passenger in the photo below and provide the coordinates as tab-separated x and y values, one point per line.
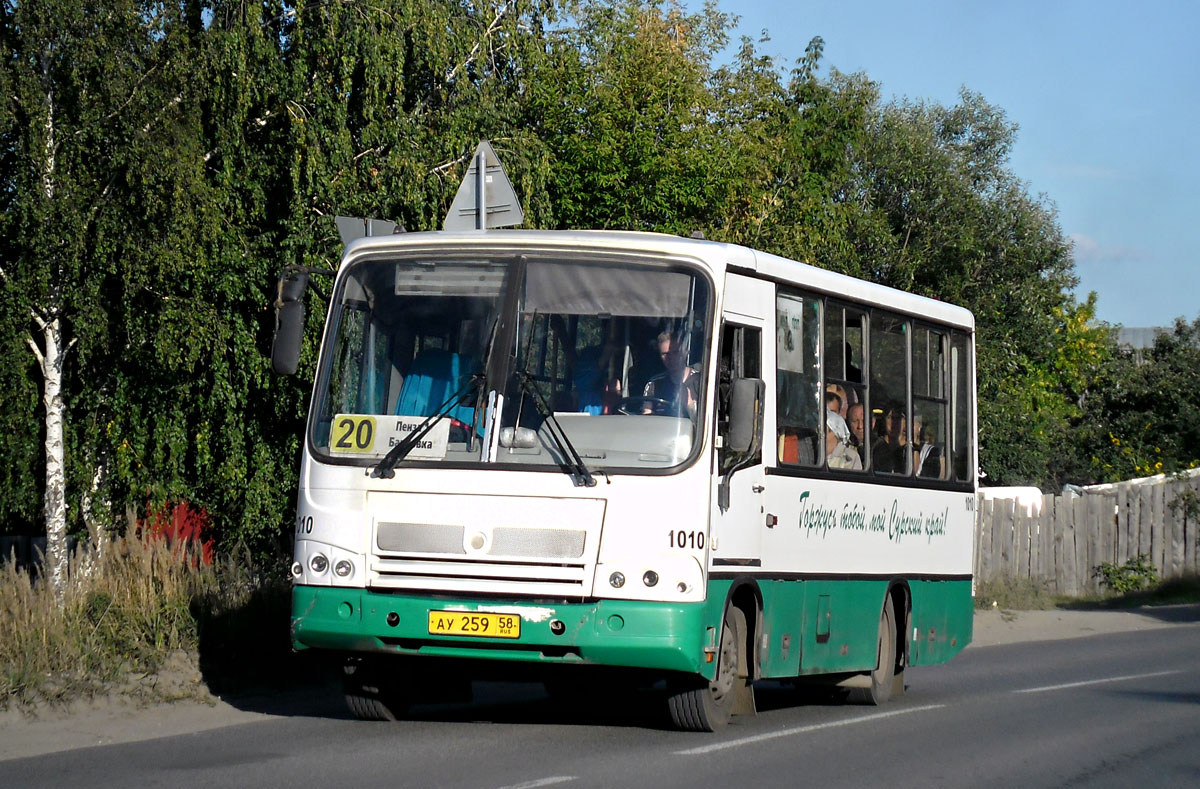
676	388
833	401
927	455
596	391
838	453
843	401
889	452
858	430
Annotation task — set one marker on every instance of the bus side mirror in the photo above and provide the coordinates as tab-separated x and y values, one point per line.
289	322
745	415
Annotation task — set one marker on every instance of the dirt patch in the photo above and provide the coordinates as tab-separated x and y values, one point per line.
1008	627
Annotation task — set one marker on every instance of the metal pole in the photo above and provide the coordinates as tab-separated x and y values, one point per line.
480	191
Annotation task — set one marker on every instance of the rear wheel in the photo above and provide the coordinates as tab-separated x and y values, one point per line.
880	688
707	706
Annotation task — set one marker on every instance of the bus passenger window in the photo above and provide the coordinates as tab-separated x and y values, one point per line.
962	407
930	403
845	396
890	448
799	400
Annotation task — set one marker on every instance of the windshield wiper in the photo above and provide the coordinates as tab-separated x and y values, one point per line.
387	466
572	460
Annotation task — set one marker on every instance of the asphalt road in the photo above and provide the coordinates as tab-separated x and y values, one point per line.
1117	709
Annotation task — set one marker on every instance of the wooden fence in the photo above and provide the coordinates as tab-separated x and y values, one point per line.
1062	542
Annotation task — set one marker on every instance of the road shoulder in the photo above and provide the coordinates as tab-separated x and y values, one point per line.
115	720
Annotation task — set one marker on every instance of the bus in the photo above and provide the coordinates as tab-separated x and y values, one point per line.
601	457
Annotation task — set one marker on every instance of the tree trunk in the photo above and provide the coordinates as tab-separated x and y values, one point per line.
50	359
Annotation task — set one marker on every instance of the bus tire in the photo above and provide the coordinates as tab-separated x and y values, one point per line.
880	689
704	705
371	694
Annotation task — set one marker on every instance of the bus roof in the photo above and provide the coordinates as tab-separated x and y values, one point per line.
718	256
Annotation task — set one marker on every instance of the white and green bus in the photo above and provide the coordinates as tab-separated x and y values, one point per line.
598	457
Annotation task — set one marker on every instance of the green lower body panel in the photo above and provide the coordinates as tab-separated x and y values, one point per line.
661	636
820	626
943	620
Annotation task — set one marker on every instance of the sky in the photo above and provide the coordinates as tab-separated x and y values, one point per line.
1106	95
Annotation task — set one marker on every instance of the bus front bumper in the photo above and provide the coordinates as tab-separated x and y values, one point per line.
628	633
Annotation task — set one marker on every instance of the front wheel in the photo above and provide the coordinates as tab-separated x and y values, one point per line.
707	706
372	694
880	689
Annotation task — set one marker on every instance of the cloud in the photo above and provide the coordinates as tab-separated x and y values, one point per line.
1089	250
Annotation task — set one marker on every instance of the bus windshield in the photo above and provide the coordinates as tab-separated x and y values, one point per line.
609	350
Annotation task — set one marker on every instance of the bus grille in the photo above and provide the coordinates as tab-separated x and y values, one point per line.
471	544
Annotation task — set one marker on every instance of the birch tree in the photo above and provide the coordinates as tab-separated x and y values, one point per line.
80	81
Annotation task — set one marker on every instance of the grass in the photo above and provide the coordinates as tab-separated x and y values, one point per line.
137	608
1173	591
1019	594
1027	594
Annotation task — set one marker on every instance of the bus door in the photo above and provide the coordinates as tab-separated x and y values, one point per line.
737	527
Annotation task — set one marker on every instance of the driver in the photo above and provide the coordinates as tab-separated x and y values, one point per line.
677	385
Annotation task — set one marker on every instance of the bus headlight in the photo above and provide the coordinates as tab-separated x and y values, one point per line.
343	568
616	580
650	578
318	563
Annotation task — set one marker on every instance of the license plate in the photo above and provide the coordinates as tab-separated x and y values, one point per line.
481	625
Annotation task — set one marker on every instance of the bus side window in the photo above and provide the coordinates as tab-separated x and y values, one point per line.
961	408
845	395
741	357
799	400
891	447
930	399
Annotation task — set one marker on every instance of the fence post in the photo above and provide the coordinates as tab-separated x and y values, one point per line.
1173	528
1135	522
1008	531
1108	527
1122	524
1159	544
1190	534
1046	537
1021	530
1145	522
1068	561
1035	542
1095	553
1060	544
983	540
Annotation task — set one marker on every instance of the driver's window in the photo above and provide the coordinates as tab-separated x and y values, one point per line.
741	354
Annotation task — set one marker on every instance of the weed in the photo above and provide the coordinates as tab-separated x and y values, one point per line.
1136	574
1021	594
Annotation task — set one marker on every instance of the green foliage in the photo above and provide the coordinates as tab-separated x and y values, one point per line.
1151	410
198	148
1135	574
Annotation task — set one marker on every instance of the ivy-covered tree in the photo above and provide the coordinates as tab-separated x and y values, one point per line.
86	83
626	106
